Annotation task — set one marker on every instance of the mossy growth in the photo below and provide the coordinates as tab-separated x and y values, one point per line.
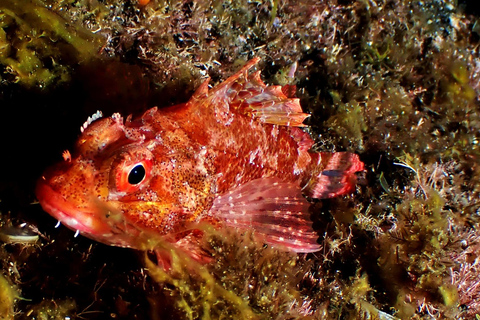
8	295
38	47
53	310
242	281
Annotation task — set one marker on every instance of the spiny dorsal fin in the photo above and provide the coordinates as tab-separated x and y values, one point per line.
247	94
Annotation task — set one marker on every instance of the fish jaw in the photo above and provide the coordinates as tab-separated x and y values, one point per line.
53	203
90	219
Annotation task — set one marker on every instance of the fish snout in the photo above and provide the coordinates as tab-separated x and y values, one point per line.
67	194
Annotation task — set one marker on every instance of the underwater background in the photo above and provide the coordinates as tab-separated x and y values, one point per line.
396	82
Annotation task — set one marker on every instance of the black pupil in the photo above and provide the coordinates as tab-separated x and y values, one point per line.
137	174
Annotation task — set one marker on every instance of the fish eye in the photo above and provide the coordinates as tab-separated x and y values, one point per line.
137	174
131	171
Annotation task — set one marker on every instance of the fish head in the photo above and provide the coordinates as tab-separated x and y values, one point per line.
103	190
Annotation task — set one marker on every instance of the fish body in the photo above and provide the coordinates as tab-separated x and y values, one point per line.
231	155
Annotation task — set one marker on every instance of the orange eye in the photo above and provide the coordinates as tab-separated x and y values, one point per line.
131	177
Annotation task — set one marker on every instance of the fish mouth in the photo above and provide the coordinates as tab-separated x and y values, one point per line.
84	220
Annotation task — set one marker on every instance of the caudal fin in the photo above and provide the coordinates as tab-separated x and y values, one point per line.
332	174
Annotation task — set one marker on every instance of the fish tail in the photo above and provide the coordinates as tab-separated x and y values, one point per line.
331	174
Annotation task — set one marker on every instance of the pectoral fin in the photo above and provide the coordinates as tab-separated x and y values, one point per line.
275	209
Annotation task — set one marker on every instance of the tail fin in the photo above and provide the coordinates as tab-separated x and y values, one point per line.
332	174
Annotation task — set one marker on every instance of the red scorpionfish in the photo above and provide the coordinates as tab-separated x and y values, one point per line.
232	155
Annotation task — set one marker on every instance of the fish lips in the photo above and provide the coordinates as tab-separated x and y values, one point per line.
86	220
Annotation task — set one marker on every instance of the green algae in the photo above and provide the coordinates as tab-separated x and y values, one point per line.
223	290
52	310
38	47
8	295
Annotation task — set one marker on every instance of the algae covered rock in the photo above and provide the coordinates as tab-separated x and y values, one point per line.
39	47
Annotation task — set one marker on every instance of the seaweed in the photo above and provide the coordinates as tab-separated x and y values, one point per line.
38	46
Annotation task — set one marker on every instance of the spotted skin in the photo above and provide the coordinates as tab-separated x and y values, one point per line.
234	154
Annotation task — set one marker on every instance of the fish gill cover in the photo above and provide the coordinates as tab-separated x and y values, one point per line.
394	81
